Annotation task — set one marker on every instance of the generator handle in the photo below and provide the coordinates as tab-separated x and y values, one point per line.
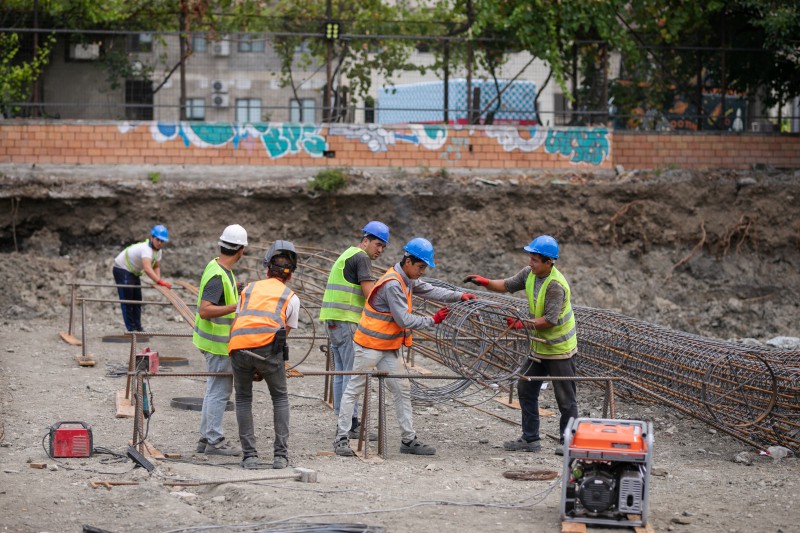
58	424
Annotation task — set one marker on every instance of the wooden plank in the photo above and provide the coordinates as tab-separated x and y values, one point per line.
515	405
373	456
85	360
124	406
647	528
321	453
69	339
573	527
150	450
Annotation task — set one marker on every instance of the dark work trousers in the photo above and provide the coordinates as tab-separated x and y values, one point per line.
566	395
131	313
273	372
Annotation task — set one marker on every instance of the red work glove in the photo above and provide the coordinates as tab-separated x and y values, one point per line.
476	279
440	315
163	284
513	323
467	296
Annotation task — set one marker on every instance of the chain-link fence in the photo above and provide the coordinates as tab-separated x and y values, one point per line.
318	77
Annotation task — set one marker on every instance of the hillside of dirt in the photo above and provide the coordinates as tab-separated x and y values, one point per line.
711	253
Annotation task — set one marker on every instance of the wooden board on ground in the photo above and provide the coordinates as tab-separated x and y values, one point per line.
373	455
150	450
573	527
580	527
69	339
514	404
85	360
124	405
421	370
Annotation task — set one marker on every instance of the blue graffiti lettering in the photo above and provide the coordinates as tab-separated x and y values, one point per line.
581	145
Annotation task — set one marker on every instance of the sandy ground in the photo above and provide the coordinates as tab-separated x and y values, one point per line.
716	255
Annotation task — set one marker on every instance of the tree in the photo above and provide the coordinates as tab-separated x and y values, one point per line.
17	79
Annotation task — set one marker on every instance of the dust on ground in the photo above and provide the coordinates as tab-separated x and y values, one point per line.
713	253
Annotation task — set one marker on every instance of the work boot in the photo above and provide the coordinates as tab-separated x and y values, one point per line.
353	434
250	463
342	448
201	445
416	447
279	462
522	445
222	447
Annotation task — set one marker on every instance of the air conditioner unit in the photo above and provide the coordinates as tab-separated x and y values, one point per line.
221	48
219	86
220	100
85	52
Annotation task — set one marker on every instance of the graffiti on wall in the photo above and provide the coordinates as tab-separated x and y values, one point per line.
378	139
278	140
580	145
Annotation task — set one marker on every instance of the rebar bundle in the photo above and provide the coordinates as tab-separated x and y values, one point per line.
749	392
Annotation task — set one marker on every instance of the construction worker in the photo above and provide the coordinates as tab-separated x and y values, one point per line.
129	265
552	321
384	328
216	309
268	311
349	284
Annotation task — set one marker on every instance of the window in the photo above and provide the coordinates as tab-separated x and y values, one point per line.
302	48
141	42
248	110
199	43
304	111
138	100
195	109
251	43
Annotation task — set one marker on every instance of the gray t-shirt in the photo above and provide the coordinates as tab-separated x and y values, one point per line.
214	292
553	299
358	268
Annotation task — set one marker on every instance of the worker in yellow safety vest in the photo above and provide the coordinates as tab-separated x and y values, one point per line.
349	283
385	327
217	300
268	311
552	321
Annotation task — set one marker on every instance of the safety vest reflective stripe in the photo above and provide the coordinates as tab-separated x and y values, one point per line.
261	313
378	330
562	337
212	335
342	300
154	261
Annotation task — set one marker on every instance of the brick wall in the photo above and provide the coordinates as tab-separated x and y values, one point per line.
495	147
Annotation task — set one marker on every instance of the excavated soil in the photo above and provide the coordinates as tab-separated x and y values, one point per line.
712	253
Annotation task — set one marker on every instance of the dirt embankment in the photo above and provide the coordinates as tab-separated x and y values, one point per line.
715	253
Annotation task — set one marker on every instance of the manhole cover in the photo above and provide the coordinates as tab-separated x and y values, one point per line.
194	404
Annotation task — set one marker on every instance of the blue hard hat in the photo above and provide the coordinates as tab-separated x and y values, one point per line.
543	245
160	232
421	248
378	229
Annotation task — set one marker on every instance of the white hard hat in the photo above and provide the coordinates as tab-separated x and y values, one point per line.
234	234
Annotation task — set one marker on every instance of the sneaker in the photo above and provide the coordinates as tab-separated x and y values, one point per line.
250	463
522	445
222	447
416	447
201	445
279	462
560	449
353	434
342	447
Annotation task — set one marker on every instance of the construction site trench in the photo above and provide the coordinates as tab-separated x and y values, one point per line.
714	254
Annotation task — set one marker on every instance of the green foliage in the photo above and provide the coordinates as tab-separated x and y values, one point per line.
328	180
17	78
154	177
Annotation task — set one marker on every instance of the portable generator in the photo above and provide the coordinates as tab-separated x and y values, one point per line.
71	442
606	475
147	360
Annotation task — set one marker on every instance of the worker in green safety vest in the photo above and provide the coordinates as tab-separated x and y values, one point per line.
552	323
349	284
216	309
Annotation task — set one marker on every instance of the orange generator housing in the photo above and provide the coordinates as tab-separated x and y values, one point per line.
606	475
